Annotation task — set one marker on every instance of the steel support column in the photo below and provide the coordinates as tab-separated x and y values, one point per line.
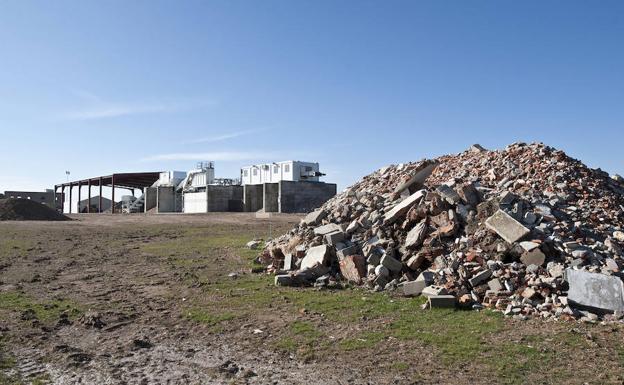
89	196
78	206
100	200
113	195
70	197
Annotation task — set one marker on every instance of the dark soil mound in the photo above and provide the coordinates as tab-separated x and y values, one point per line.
27	210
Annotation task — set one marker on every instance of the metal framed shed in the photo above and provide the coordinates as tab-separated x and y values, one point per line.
129	181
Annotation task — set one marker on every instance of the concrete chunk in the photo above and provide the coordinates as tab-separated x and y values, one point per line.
480	277
402	207
318	255
413	288
391	264
350	250
533	257
418	179
470	194
334	237
441	301
598	292
434	290
416	261
449	194
506	227
353	268
326	229
315	217
495	285
416	236
427	277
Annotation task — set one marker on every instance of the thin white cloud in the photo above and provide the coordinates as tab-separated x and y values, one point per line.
222	137
84	94
224	156
103	110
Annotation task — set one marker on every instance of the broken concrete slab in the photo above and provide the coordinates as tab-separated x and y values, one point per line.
506	227
318	255
480	277
353	268
428	291
441	301
495	285
416	236
326	229
413	288
469	194
334	237
449	194
391	264
353	226
528	245
400	209
427	277
594	291
476	148
418	179
507	198
349	250
533	257
415	261
315	217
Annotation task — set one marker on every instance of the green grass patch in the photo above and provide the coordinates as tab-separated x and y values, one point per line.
302	338
458	335
11	245
399	366
208	318
364	340
16	302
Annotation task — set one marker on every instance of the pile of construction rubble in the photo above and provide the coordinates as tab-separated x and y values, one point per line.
526	230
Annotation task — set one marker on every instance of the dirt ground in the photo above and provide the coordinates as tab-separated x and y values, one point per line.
171	299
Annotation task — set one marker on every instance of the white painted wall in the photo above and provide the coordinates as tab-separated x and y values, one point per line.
196	202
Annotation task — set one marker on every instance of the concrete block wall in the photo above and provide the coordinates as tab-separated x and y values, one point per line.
167	202
225	198
150	198
253	195
303	197
270	197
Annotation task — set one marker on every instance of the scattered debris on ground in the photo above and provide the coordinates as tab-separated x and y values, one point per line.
526	230
26	210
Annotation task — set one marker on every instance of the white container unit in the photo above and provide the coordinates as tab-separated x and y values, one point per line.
290	170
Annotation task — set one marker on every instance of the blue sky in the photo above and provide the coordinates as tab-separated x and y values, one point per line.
108	86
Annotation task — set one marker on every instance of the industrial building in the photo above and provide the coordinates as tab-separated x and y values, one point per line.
48	197
285	187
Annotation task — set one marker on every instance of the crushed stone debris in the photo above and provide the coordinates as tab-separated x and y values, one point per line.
480	229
